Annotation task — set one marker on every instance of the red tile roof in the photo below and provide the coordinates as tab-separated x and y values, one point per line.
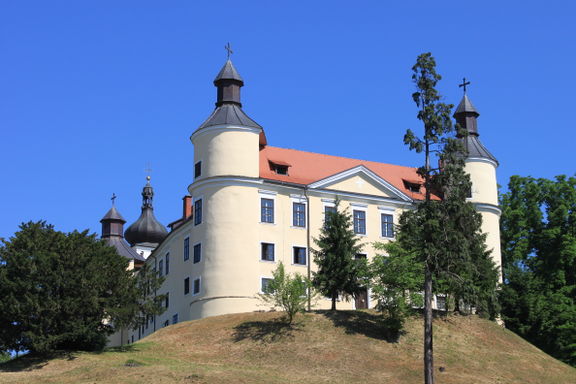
307	167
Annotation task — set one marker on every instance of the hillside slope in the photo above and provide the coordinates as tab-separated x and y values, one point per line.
348	347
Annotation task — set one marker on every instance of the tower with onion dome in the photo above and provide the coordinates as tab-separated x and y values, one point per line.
146	233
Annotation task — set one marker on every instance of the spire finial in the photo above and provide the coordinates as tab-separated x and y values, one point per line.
113	198
464	84
148	171
228	48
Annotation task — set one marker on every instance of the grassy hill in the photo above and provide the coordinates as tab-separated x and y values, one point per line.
346	347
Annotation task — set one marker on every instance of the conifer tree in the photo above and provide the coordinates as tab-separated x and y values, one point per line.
339	274
443	231
60	291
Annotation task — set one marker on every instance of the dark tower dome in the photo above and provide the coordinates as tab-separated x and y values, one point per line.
466	116
146	229
228	103
112	233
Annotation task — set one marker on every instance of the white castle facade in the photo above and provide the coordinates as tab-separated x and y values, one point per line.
251	206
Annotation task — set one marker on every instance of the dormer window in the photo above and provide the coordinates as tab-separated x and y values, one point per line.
279	167
412	186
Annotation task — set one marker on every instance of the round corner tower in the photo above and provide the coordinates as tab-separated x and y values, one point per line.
225	201
481	166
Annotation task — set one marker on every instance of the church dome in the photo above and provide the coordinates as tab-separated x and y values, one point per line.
147	229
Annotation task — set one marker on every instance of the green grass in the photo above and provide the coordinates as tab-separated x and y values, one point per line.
322	347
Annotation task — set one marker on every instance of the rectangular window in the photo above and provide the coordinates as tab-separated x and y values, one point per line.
267	253
167	266
167	300
264	284
299	215
175	319
360	222
328	210
441	303
186	285
196	286
197	253
197	169
387	225
186	248
360	256
267	210
198	212
161	268
299	255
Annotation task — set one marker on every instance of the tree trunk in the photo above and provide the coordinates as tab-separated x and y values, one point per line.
334	296
428	347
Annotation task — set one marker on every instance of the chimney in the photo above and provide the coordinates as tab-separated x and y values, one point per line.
186	207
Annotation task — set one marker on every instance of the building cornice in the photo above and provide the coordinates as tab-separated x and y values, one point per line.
216	181
485	207
481	160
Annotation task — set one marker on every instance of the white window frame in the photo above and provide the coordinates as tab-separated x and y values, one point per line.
260	282
260	252
298	199
305	256
362	208
327	203
270	195
387	211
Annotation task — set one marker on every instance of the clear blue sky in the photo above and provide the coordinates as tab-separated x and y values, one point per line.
91	91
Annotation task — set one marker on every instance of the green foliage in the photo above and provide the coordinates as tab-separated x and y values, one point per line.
4	357
338	271
396	280
538	232
444	234
287	291
140	301
60	291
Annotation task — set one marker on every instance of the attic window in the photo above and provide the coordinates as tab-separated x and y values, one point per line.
279	167
412	186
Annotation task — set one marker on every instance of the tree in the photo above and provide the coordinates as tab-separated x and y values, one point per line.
396	280
538	233
287	291
338	271
443	232
140	301
60	291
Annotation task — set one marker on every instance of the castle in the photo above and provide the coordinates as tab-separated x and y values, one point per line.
251	206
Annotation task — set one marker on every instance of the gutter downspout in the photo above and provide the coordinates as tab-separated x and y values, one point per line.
308	246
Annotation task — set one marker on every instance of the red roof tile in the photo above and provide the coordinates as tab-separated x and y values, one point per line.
308	167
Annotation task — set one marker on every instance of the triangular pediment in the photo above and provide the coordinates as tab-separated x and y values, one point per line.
361	180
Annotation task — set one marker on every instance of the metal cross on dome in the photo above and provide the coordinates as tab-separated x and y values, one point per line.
464	84
113	198
148	169
229	49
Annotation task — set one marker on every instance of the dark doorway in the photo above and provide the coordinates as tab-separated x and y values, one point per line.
361	299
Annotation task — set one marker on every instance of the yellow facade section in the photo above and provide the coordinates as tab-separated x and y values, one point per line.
484	184
360	184
227	151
